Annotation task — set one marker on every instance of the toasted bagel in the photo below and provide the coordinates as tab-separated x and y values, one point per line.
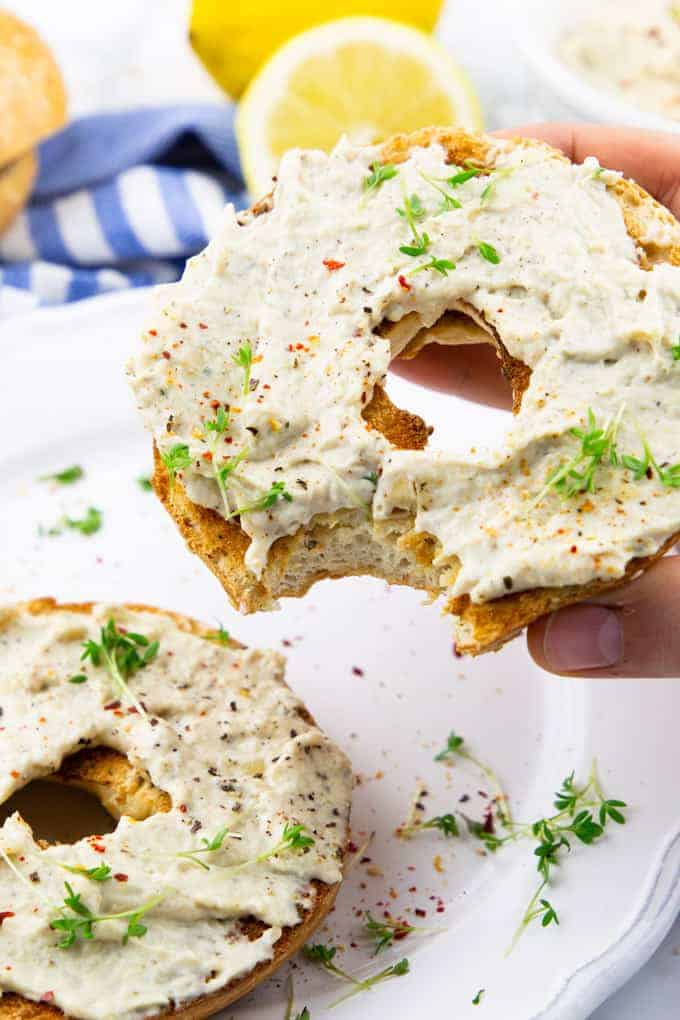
390	544
127	792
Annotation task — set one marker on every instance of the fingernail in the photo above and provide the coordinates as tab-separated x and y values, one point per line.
583	637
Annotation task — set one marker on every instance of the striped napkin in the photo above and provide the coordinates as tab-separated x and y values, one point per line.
121	200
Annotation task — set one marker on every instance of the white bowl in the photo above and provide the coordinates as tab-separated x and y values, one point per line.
539	26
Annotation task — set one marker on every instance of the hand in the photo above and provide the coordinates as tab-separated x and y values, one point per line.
635	630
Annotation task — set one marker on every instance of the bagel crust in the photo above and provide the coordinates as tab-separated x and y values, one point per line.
206	739
298	466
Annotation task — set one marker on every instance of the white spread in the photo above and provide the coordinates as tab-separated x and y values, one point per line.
568	298
631	47
224	737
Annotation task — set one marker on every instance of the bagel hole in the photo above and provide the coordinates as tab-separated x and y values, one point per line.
58	813
452	368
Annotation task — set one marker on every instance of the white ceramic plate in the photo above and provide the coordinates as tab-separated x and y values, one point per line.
377	669
538	27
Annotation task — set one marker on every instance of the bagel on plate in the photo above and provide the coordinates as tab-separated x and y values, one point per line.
232	811
32	106
261	377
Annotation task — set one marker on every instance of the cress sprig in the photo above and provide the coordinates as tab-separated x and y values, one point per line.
384	932
210	846
413	212
268	499
77	921
99	873
380	172
176	459
214	430
294	839
324	955
123	653
66	477
244	359
446	824
90	524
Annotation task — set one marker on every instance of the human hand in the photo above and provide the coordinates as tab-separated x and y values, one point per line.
635	630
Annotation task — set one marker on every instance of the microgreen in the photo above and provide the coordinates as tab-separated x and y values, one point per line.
441	266
66	477
100	873
448	201
176	459
267	500
294	839
478	997
446	824
87	525
371	477
598	447
123	654
648	466
77	678
489	190
210	846
413	212
79	924
219	424
488	252
244	359
324	955
455	745
144	482
220	636
675	352
383	933
380	172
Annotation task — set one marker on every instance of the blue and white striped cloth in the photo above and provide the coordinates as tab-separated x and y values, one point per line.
121	200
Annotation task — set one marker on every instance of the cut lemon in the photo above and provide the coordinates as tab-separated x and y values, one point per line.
367	78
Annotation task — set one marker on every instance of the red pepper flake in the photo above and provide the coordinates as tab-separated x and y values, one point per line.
14	774
207	455
456	653
153	332
183	808
331	265
120	877
573	549
98	848
357	671
202	325
351	847
47	997
403	283
166	354
4	914
488	825
419	912
112	706
214	403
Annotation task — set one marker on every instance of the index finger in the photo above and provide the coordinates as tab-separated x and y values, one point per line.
652	158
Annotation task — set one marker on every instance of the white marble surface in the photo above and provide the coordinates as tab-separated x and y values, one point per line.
109	53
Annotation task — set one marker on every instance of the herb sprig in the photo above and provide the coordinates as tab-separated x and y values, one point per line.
244	359
324	956
80	922
210	846
123	653
90	524
383	933
66	477
100	873
294	839
446	824
413	212
267	500
380	172
176	459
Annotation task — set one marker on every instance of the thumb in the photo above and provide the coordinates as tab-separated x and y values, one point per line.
631	632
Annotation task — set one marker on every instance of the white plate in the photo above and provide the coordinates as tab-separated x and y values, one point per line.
377	669
539	25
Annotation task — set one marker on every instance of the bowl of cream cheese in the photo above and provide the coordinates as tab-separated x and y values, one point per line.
615	61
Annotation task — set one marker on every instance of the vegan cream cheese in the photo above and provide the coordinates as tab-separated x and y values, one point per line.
631	48
218	731
537	250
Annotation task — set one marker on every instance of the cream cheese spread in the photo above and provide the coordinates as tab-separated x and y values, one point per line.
309	283
631	48
230	743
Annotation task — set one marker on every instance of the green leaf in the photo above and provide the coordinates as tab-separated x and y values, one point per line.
100	873
478	997
488	252
220	636
380	172
68	476
441	266
144	482
244	359
675	352
220	423
267	500
176	459
87	525
453	744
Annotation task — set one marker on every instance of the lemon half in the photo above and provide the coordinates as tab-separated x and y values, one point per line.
368	78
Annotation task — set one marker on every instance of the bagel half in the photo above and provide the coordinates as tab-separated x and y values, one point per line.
125	789
348	543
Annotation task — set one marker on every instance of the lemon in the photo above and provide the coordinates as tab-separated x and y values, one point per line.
367	78
233	38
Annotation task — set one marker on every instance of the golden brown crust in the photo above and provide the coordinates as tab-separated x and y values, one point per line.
16	181
125	789
32	94
484	626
